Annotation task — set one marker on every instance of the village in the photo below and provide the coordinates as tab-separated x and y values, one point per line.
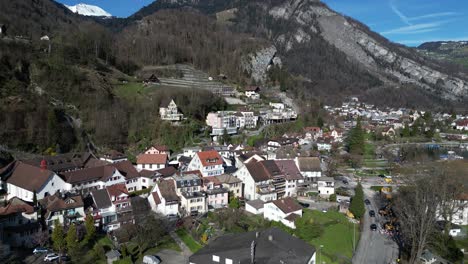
205	192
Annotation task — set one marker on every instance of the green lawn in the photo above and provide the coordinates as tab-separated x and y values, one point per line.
337	236
130	90
463	242
193	245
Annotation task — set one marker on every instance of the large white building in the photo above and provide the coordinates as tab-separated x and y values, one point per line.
22	180
209	163
230	121
170	112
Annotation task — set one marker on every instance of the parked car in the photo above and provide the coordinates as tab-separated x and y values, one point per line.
373	227
40	250
305	205
65	258
51	257
372	213
151	259
366	201
345	181
381	176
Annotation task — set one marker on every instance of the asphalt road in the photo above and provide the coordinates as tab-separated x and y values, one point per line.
374	247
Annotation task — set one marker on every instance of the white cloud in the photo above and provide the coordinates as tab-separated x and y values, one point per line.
395	9
416	28
433	15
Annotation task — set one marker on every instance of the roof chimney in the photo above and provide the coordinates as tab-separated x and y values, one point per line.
43	164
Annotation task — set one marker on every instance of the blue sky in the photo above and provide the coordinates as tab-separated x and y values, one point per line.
410	22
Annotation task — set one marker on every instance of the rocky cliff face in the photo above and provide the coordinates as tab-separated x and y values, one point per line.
258	63
381	58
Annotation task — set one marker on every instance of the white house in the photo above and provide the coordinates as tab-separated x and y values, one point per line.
151	161
257	178
255	206
209	163
22	180
170	112
284	210
164	199
158	149
252	92
94	178
462	125
64	208
113	156
326	186
309	167
325	146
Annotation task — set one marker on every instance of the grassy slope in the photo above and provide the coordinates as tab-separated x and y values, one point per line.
188	240
337	238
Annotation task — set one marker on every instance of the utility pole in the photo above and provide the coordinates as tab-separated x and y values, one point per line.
354	237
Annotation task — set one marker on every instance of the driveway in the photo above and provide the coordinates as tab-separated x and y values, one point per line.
172	257
374	247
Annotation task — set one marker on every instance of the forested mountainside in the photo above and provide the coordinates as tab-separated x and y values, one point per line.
69	90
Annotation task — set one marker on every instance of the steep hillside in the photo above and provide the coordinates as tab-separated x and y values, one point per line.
332	56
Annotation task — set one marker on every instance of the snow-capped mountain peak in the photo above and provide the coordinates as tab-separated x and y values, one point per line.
88	10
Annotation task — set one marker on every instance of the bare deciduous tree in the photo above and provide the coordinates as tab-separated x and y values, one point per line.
416	208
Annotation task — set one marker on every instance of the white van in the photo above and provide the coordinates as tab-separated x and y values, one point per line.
150	259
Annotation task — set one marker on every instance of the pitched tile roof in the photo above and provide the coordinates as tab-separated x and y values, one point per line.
101	198
156	198
102	173
16	205
210	158
126	168
167	189
114	155
271	245
167	172
54	203
228	178
289	169
152	159
28	177
263	170
287	205
292	217
117	189
309	164
63	162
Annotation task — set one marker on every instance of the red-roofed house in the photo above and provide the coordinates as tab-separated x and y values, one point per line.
151	161
462	125
209	163
118	194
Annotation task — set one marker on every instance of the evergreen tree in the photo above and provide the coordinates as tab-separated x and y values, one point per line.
72	240
357	203
320	122
226	138
52	128
90	228
58	237
356	139
406	132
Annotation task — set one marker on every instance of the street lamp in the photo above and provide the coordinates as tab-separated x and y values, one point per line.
320	253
